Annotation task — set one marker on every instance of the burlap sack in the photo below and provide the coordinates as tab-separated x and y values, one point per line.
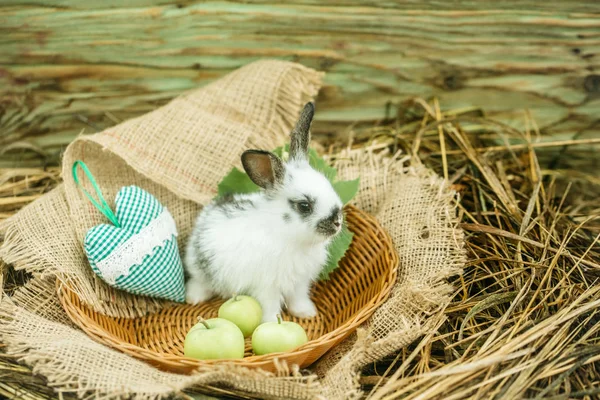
179	153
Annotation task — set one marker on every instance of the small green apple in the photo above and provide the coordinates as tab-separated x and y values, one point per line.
212	339
275	337
243	311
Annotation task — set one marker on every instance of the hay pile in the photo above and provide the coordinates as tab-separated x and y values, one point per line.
524	320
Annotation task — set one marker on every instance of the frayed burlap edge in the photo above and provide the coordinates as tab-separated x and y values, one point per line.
38	296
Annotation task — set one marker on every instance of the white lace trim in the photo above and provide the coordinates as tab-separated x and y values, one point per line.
133	250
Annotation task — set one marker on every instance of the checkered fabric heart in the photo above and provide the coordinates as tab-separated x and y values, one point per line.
139	252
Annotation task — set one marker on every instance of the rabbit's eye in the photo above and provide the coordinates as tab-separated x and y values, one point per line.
304	207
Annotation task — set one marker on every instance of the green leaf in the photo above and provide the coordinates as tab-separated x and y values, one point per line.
320	165
279	151
336	250
346	189
237	182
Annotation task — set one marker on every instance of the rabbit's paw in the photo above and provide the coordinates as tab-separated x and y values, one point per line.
196	291
303	308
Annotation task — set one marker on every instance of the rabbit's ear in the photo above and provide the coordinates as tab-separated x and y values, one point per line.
264	168
300	136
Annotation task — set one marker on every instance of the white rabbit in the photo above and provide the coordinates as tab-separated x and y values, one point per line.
270	245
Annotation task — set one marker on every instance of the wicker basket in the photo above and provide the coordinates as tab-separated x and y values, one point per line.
361	283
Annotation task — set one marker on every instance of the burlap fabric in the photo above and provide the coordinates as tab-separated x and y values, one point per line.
179	153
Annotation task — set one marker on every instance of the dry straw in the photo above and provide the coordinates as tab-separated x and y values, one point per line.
523	321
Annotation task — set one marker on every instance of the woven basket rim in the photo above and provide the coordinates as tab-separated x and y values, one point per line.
77	310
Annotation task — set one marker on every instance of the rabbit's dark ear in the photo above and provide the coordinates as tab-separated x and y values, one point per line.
300	136
264	168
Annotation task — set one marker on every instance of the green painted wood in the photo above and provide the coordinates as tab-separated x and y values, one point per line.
66	66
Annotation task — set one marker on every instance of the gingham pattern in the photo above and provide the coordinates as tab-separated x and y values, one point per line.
161	272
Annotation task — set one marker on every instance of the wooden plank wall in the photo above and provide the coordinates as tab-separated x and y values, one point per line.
72	65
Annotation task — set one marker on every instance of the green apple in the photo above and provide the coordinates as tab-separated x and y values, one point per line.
214	338
243	311
275	337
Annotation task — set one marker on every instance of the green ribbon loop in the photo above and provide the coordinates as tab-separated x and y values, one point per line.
103	205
